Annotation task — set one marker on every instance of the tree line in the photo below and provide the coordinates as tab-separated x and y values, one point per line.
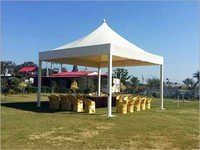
129	83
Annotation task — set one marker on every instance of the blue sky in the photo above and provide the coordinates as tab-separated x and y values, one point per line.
170	29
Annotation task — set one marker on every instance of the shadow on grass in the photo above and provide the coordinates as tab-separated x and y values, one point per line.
31	106
28	106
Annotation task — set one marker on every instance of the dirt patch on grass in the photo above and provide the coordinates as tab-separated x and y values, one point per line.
88	133
185	111
104	126
41	136
60	139
150	142
159	142
53	137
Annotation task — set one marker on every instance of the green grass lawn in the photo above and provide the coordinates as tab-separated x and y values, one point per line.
25	127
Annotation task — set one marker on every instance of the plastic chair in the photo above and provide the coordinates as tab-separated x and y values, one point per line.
89	106
78	104
54	102
148	103
131	104
122	105
137	104
118	99
143	103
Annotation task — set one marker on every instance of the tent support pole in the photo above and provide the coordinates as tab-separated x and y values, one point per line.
60	68
39	83
47	70
161	86
51	66
110	85
99	81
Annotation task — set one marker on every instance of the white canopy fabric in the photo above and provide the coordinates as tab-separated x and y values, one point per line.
92	50
101	48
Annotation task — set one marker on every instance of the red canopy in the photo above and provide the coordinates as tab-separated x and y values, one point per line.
28	69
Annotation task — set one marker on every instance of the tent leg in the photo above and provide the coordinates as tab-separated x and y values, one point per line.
60	68
39	83
110	85
99	81
47	70
51	66
161	86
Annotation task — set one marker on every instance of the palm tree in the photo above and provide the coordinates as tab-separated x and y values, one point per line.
197	76
188	82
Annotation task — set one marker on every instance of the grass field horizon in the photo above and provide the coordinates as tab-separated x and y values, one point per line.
23	126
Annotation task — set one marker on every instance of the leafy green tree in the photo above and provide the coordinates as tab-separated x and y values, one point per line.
4	85
134	82
22	85
153	83
13	83
188	82
121	74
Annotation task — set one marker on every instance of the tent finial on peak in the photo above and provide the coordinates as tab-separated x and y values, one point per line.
104	20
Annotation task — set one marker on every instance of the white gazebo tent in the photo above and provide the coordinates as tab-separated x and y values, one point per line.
101	48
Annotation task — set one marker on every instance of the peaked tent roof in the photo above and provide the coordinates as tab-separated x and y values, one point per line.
92	50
